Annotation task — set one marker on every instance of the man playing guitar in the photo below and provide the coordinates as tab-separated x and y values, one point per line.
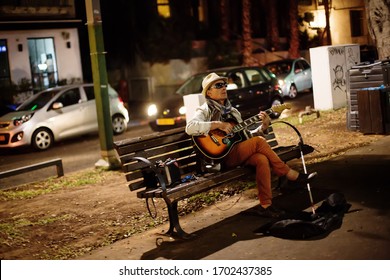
216	115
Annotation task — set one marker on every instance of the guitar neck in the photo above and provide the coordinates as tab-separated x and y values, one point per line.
250	121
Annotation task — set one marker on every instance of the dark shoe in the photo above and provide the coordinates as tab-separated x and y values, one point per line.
270	212
303	179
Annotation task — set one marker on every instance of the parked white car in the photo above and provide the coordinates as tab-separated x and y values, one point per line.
58	113
294	75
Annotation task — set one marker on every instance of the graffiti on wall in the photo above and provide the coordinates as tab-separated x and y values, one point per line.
341	59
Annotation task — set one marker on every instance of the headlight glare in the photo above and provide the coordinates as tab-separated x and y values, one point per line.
152	110
182	110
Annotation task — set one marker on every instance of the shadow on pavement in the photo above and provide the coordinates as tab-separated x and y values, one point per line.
234	229
363	179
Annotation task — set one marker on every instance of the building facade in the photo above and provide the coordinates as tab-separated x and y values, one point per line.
39	47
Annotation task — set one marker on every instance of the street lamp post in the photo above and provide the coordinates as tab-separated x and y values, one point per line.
99	73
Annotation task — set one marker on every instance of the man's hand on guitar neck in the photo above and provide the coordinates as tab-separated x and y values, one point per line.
224	126
265	120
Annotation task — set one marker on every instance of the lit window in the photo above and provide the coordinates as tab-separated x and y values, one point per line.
163	8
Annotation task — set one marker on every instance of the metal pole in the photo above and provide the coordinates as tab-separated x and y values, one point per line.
308	185
99	73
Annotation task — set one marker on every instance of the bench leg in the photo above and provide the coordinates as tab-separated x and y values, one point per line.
174	223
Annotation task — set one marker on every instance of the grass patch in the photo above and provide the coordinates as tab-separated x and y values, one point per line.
12	232
309	119
28	191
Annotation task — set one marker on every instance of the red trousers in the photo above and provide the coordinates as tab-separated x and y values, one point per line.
258	153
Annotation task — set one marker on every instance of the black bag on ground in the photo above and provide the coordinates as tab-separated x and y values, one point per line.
304	225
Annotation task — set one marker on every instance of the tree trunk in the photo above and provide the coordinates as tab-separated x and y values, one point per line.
225	34
293	51
248	60
378	12
327	4
273	30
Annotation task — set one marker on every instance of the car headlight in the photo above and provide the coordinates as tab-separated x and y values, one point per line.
22	119
281	82
182	110
152	110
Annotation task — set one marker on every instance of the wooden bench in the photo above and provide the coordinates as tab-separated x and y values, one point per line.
177	144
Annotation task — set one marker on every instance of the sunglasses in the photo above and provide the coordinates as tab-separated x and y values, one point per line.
219	85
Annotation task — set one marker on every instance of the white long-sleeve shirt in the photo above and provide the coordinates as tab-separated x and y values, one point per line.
200	123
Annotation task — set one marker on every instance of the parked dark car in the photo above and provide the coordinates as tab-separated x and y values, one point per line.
256	89
294	75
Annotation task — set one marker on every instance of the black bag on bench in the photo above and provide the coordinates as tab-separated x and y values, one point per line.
162	174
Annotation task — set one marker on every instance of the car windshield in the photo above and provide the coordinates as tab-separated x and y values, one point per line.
280	67
194	84
37	101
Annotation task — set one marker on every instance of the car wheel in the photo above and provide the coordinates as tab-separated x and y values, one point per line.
293	92
275	102
42	139
119	124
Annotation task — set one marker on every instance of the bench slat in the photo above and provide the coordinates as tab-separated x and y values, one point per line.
162	152
150	141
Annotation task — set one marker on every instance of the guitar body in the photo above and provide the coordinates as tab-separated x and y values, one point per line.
217	144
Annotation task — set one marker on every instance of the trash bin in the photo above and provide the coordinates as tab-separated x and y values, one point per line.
361	76
374	110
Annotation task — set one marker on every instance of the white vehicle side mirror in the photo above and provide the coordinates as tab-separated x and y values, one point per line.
57	105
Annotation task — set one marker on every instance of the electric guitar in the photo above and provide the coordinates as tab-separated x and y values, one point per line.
217	144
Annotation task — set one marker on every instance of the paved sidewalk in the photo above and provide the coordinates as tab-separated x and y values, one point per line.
225	230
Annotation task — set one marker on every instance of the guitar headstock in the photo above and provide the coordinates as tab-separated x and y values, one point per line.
279	108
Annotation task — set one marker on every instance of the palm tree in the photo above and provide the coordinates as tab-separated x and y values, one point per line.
378	12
